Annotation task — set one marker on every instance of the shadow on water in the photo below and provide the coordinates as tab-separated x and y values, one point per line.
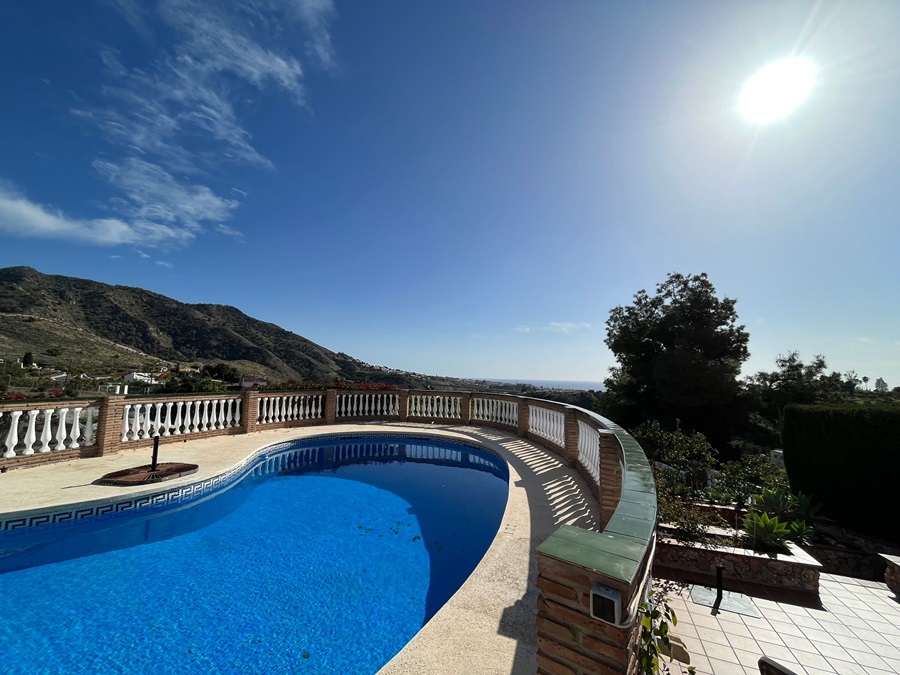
457	495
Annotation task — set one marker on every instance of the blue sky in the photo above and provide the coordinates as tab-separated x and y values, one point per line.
462	188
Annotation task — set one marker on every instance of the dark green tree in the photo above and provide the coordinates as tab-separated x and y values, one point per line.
793	382
28	359
679	352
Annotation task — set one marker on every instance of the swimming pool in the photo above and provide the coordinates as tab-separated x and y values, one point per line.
322	557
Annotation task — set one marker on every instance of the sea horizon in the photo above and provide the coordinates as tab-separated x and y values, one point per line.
578	385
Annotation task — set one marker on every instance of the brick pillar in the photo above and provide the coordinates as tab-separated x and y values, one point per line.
330	406
523	417
610	475
109	426
250	411
465	405
570	641
404	405
571	436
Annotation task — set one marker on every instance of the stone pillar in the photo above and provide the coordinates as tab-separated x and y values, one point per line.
523	417
250	411
571	436
465	405
330	406
404	405
109	425
610	475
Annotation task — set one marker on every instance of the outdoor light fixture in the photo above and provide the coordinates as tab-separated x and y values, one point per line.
606	604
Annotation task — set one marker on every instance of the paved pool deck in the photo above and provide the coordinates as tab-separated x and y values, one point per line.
487	627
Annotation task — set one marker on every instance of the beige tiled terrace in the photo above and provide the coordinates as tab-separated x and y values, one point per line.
855	631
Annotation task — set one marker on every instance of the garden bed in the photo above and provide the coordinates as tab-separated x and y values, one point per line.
797	571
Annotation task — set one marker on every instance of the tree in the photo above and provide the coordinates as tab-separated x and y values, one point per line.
28	359
679	353
866	382
881	386
793	382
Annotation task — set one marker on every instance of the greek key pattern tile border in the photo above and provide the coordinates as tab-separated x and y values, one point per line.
61	516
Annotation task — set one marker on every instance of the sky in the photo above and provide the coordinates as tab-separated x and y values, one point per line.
462	188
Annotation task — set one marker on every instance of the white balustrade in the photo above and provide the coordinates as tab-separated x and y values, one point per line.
177	418
549	424
276	409
367	405
42	430
440	406
589	450
497	411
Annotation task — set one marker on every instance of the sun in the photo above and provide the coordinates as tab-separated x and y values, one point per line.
776	90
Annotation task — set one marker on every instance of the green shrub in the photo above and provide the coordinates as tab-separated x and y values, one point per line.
799	532
765	533
847	455
656	615
776	502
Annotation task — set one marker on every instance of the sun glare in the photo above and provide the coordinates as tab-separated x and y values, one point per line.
776	90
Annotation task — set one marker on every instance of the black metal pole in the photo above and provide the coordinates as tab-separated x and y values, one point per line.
155	452
719	569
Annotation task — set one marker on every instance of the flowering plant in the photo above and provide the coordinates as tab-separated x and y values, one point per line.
19	396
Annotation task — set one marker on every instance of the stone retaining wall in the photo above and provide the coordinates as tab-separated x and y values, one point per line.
798	571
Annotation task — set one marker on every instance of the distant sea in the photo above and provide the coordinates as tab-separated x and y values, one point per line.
554	384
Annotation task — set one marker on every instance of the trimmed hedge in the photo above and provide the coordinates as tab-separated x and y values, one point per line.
847	456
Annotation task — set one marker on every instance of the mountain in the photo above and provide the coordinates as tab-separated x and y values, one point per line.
77	324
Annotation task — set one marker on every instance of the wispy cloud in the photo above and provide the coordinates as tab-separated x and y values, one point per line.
864	340
564	327
229	231
175	122
21	217
163	263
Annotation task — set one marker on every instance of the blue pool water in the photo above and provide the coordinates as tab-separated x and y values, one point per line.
317	570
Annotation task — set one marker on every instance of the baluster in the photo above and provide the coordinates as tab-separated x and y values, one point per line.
193	417
30	435
46	431
276	409
156	428
167	423
226	413
90	432
204	418
126	422
61	430
215	414
145	419
12	437
237	412
76	428
178	408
